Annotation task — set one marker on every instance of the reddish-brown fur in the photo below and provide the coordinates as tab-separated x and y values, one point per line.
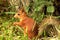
25	23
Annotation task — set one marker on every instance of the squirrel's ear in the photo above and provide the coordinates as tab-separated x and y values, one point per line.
23	10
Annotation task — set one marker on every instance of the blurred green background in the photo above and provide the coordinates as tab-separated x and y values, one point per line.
36	9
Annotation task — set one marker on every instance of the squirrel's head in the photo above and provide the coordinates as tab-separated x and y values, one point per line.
20	14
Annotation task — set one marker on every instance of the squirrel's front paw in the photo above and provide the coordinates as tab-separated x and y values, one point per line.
15	23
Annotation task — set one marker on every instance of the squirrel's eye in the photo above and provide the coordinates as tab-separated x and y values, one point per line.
18	14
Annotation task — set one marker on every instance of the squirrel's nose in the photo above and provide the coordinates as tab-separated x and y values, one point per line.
15	16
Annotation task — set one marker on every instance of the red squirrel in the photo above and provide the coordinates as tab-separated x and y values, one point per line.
26	23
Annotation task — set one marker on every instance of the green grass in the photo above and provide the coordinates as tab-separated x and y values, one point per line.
10	32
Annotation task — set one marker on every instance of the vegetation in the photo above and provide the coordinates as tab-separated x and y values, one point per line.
45	12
